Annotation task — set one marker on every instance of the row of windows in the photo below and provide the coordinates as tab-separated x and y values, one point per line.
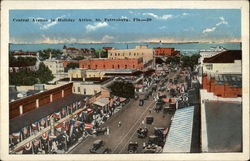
122	54
78	90
113	66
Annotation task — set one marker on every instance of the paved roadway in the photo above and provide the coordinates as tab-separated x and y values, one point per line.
131	116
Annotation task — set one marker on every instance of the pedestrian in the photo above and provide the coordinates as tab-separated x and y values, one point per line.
119	124
107	130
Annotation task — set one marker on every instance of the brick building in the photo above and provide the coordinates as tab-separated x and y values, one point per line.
106	64
166	52
33	102
223	85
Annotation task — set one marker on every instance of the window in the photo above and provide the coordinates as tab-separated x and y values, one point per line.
209	66
88	66
115	54
79	89
84	91
113	66
126	66
110	54
134	54
129	54
133	66
96	66
104	66
118	66
118	54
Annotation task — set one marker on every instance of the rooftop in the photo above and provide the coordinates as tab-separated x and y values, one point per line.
179	138
41	112
228	56
224	126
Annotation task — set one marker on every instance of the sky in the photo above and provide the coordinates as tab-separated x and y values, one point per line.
166	25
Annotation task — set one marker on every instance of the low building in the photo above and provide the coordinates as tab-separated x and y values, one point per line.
56	67
77	73
221	126
17	54
140	51
223	85
166	52
74	52
228	61
90	86
209	53
112	64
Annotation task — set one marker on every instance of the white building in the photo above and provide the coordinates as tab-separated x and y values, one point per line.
227	62
209	53
56	68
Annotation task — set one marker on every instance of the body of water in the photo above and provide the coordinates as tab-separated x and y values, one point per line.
184	48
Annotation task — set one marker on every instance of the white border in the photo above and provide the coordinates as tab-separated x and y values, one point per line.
7	5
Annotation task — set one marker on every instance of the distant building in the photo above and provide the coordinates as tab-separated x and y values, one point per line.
209	53
106	49
17	54
74	52
113	64
77	73
90	86
228	61
139	52
56	67
166	52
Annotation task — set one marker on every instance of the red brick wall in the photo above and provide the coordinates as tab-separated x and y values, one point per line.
224	91
164	51
102	64
29	103
66	62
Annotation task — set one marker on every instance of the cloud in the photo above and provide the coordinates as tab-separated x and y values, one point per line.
222	21
209	30
46	39
96	26
163	17
107	38
212	29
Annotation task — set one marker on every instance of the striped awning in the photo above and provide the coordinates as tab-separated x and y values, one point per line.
180	134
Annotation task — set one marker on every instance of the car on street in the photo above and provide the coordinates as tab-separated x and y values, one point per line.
96	145
141	102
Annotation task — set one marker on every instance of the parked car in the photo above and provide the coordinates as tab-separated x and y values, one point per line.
132	147
96	145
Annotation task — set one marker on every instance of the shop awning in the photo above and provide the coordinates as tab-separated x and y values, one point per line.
179	137
102	102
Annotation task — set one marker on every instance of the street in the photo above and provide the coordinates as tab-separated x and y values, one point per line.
132	117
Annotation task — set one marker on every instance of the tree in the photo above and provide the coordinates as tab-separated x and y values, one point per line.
45	54
44	74
101	53
72	65
123	89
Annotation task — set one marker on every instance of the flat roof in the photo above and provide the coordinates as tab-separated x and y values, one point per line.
224	126
30	117
179	138
114	71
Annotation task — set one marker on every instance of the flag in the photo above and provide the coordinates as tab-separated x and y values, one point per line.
42	122
57	114
16	135
45	136
34	126
25	131
28	146
36	142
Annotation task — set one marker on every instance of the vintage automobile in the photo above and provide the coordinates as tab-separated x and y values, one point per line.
132	147
100	131
96	145
141	102
142	132
149	120
158	106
